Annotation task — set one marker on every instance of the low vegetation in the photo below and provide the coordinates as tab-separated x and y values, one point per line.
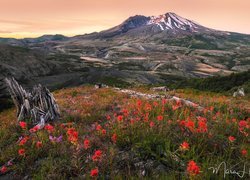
106	134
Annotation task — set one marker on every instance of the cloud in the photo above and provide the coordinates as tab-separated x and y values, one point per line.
5	32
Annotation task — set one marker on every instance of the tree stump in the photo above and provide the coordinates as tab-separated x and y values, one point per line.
39	105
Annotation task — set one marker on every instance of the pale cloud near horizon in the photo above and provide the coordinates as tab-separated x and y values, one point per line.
24	18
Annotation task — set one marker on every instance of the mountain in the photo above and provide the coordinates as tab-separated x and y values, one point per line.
170	24
33	41
141	50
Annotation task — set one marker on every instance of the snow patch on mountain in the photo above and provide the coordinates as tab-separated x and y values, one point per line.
172	21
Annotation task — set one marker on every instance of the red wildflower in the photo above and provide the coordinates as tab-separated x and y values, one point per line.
202	119
174	107
151	124
94	172
139	103
163	101
39	144
23	124
120	118
231	138
72	135
23	141
98	127
242	125
49	128
148	107
193	168
21	152
97	155
70	131
3	170
160	118
190	125
182	123
34	129
86	144
125	112
184	146
108	117
114	138
202	126
244	152
155	104
104	131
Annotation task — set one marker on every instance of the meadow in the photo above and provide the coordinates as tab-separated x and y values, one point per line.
106	134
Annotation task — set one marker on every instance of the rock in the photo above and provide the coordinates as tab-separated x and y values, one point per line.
163	88
240	92
100	85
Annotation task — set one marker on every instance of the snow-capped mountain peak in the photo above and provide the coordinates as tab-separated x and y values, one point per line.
172	21
145	26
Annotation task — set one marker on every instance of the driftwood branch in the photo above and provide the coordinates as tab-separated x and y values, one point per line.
39	105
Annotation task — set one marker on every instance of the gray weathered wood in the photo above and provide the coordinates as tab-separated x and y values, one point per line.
39	105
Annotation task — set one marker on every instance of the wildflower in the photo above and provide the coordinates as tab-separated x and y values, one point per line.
155	104
174	107
73	137
98	127
148	107
55	139
120	118
104	131
202	119
21	152
184	146
97	155
86	144
3	170
202	126
182	123
39	144
114	138
94	172
243	125
70	131
164	101
244	152
23	141
211	108
160	118
151	124
23	124
34	129
193	168
125	112
108	117
190	125
9	163
139	102
231	138
49	128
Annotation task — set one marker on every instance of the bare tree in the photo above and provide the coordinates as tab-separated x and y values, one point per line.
39	105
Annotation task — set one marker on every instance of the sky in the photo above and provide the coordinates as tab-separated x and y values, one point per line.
33	18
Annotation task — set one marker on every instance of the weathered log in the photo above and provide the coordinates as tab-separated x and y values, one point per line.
39	105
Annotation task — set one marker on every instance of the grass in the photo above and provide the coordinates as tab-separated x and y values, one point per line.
130	138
